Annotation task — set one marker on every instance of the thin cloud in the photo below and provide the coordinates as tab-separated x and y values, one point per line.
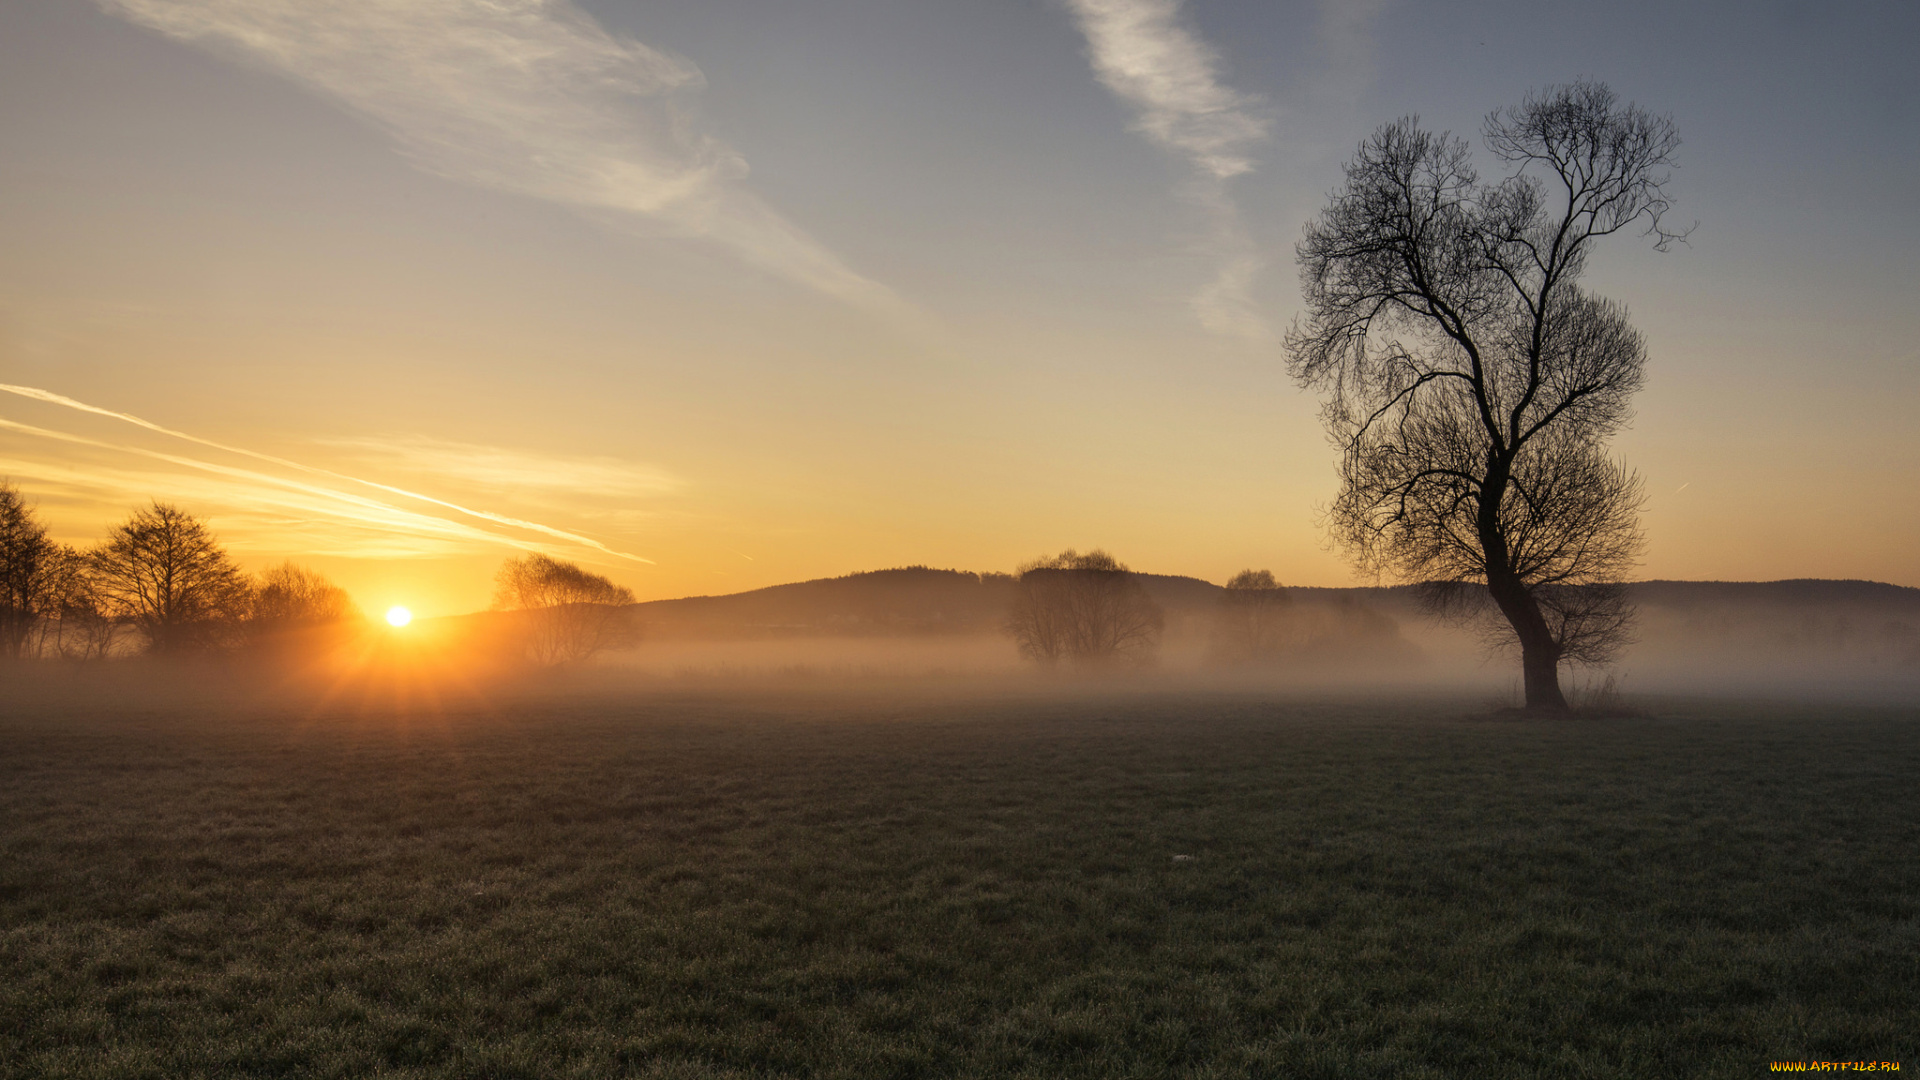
528	96
251	515
51	398
1143	54
247	487
1226	306
498	468
1347	47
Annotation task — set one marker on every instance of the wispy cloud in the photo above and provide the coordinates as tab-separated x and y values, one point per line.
527	96
497	468
1147	57
363	508
255	491
1142	53
1348	51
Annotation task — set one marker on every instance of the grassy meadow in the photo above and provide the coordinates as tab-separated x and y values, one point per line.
861	882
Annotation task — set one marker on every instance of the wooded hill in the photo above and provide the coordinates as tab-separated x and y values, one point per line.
919	600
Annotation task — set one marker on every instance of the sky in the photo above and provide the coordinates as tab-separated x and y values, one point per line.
714	295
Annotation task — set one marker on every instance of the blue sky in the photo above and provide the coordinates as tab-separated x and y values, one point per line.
764	291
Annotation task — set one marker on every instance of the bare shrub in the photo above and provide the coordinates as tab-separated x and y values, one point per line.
565	614
1254	623
295	608
290	596
1084	609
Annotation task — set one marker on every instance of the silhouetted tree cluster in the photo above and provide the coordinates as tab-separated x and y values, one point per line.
1472	384
291	602
1260	624
1084	609
160	579
167	576
76	622
26	563
566	615
1253	625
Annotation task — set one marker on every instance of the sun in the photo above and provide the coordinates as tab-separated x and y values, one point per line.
398	616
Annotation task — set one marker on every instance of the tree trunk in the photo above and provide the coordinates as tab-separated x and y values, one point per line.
1540	665
1539	652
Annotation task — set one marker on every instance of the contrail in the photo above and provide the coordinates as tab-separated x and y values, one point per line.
408	520
484	515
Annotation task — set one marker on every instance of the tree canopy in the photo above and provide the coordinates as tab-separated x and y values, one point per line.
1088	609
567	614
164	572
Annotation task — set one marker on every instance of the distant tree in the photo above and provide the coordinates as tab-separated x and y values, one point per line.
289	596
1087	609
1253	623
166	575
566	614
76	623
1472	385
25	553
290	603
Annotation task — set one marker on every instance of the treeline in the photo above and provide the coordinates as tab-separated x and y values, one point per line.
1090	610
159	584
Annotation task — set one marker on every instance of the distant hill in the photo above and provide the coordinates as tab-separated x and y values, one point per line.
1796	592
1784	623
924	601
1745	637
908	600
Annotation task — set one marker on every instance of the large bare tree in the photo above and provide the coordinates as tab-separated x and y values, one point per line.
165	573
1471	384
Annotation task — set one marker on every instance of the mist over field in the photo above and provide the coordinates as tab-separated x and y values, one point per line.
1823	640
844	828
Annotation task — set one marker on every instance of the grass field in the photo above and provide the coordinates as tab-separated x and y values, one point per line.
853	884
